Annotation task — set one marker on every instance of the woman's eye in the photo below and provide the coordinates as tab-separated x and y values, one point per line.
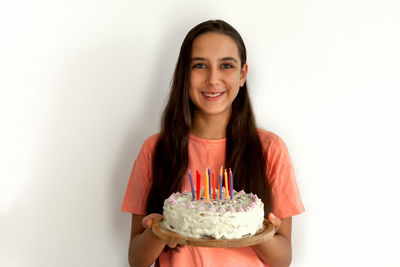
199	66
226	66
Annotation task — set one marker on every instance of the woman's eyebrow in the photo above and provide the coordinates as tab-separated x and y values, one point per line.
221	59
229	59
198	59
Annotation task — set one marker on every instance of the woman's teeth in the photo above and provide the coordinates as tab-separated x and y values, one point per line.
212	95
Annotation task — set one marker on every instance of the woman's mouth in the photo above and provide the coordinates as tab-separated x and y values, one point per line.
212	95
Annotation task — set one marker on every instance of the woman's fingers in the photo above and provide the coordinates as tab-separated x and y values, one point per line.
171	244
147	221
274	220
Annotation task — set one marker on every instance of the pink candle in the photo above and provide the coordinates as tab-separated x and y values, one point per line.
226	185
198	180
213	183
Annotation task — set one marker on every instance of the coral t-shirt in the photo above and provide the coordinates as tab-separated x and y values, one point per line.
203	153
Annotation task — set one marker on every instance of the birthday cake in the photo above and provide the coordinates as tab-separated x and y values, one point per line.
238	216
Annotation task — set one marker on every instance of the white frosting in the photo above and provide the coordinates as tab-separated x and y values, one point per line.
219	219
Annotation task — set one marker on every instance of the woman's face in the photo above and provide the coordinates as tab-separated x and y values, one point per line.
216	74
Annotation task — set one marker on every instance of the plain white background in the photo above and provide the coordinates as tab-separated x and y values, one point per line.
83	83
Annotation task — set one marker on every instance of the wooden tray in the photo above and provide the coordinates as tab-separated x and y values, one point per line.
266	233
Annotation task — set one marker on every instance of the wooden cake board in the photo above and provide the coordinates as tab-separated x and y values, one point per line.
160	231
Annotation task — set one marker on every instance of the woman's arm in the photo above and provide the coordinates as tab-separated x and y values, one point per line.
144	246
277	251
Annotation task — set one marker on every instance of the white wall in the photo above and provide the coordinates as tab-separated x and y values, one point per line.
83	84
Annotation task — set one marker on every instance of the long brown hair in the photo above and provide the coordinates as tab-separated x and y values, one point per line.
244	151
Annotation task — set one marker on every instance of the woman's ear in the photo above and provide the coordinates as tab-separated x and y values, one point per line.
243	74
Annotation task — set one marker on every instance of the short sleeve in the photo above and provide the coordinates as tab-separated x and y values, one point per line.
285	191
140	180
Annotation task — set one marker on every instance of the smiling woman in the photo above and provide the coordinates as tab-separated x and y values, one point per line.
215	80
208	121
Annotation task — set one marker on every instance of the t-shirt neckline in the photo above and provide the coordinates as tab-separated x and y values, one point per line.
209	141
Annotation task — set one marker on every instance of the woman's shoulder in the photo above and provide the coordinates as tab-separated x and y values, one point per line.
270	140
267	136
150	142
152	139
146	151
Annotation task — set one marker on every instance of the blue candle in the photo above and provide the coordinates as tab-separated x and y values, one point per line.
209	180
231	182
191	185
220	186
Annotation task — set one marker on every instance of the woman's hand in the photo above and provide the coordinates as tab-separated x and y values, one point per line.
147	222
277	251
275	221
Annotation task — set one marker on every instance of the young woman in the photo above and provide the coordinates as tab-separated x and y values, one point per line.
208	121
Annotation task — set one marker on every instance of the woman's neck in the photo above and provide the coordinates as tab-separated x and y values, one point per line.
209	126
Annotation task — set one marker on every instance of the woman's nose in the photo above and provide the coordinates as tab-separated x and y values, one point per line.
213	76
